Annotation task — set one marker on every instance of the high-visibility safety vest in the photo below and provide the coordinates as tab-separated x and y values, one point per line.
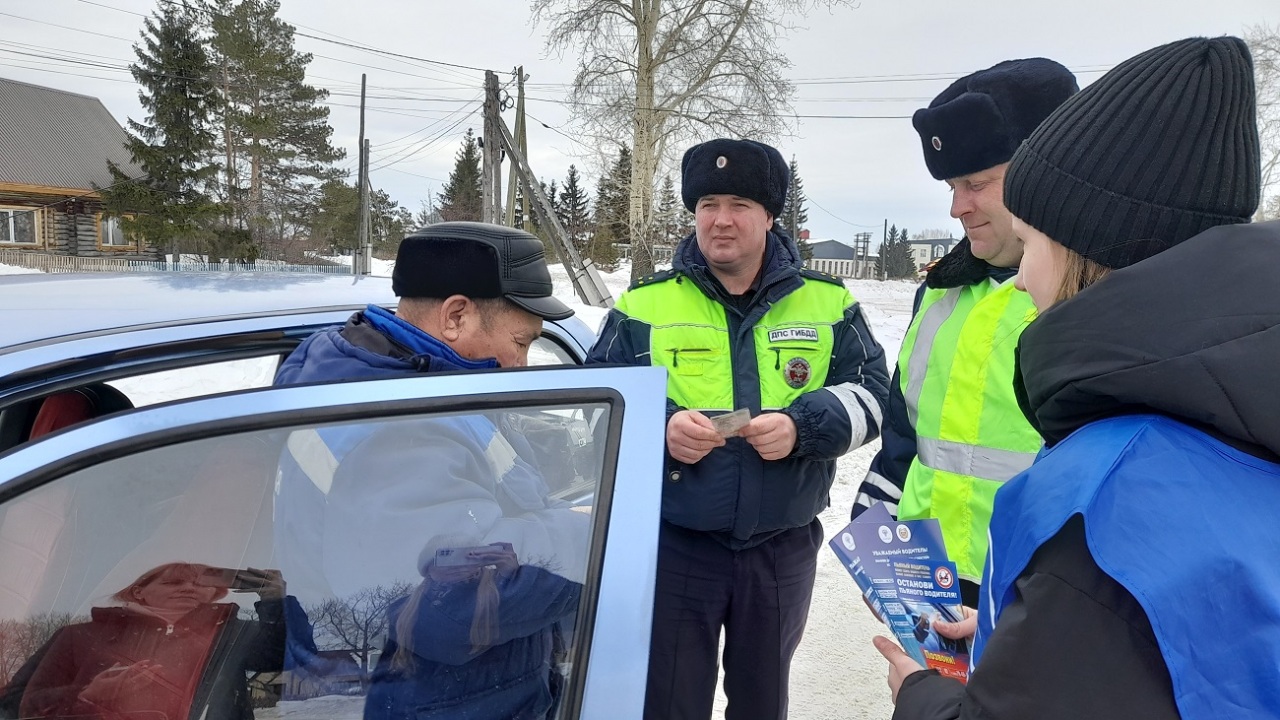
957	365
690	337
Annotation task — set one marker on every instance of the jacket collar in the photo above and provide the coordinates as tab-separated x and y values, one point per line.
418	345
960	267
779	274
1206	357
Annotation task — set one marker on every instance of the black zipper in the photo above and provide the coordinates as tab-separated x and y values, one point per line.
675	354
777	363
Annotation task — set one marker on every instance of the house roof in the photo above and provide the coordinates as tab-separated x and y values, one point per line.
831	250
58	139
948	241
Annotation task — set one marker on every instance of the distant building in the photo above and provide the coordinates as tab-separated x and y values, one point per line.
830	250
55	147
840	258
924	252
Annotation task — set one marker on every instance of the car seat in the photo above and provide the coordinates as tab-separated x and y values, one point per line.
73	406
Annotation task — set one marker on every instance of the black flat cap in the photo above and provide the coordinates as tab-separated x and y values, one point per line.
479	261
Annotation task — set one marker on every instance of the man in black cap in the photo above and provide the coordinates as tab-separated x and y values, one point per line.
472	296
954	432
356	504
772	375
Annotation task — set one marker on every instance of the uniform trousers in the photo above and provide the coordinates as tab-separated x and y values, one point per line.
759	596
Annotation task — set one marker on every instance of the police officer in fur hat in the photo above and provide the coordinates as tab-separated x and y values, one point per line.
743	329
954	431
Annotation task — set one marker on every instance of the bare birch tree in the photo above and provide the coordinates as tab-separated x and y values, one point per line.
1264	43
669	72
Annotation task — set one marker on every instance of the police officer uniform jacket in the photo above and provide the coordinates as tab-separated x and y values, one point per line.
796	342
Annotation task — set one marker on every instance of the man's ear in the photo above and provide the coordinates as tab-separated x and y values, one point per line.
454	314
770	225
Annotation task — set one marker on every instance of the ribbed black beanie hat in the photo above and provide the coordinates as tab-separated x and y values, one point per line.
1161	148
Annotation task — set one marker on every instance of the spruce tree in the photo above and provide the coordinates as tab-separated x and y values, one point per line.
617	199
461	197
669	208
574	213
895	261
275	132
795	216
169	205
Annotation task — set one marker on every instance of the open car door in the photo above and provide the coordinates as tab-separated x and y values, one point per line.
479	545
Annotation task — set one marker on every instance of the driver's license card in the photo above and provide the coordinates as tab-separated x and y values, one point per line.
729	424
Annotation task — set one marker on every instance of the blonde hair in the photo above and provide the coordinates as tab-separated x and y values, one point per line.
183	571
484	620
1078	273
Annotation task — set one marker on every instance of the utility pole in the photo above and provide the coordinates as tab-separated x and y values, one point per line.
522	142
365	252
361	182
884	254
582	273
491	177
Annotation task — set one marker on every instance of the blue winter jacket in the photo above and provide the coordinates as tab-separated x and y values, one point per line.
761	499
1148	520
397	492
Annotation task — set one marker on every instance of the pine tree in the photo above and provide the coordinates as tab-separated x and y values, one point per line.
335	223
795	216
574	213
895	260
615	194
461	197
276	137
169	205
668	222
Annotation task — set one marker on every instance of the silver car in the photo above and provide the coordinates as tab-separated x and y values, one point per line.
145	460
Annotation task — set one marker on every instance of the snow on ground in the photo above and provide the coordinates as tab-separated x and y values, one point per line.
15	270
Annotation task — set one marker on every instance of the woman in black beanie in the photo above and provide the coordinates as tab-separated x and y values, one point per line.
1132	569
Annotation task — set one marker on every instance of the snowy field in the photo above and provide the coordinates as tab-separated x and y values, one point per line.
837	674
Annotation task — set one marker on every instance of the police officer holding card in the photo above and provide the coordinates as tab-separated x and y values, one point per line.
740	324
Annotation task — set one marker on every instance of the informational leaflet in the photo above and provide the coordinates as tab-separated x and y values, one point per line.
902	569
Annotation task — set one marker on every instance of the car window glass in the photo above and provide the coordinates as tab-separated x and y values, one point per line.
197	380
545	351
428	566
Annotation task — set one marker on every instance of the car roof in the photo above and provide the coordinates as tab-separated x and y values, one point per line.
47	306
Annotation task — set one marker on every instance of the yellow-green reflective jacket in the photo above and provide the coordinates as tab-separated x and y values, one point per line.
956	370
800	345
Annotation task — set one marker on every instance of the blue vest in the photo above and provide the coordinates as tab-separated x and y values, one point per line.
1186	524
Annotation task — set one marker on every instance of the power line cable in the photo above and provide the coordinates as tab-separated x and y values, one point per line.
66	27
837	217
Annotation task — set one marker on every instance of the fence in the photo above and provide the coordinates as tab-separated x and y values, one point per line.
50	263
661	253
844	268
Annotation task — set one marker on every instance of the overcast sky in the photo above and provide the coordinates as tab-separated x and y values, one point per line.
878	61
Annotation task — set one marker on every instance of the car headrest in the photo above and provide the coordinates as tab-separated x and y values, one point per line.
72	406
